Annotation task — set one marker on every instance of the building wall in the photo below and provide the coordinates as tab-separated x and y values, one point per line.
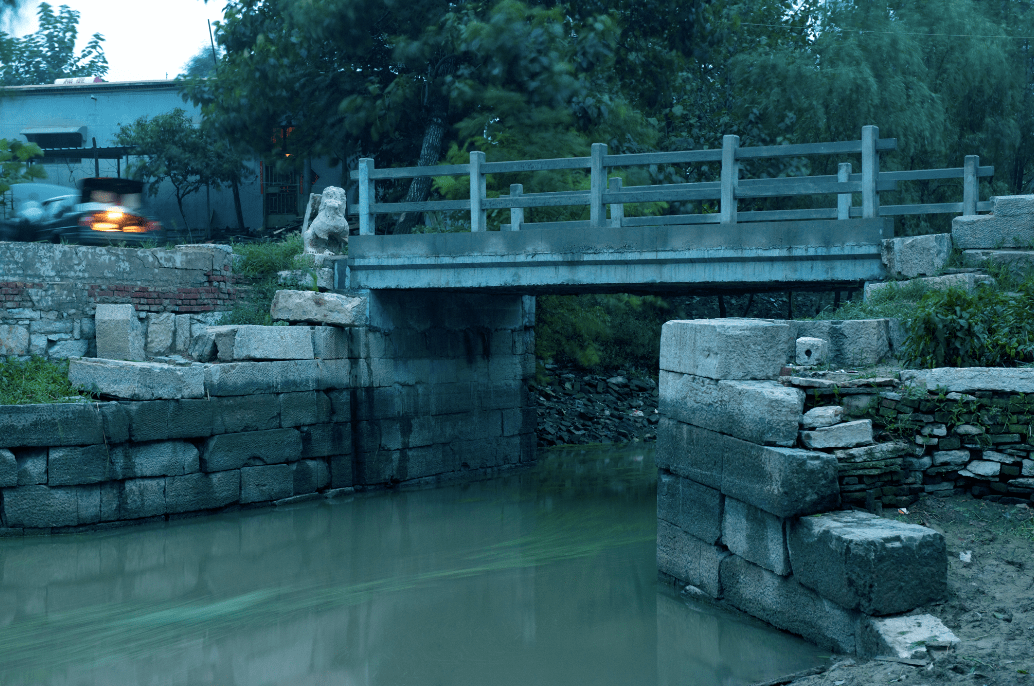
102	108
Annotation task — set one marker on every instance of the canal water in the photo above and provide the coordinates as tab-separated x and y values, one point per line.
543	577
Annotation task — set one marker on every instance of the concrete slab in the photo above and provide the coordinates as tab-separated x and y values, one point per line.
913	637
967	379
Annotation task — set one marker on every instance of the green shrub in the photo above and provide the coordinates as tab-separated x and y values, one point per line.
989	327
600	331
895	300
37	381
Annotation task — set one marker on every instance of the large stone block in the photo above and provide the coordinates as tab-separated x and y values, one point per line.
307	407
193	492
782	602
161	333
236	413
324	440
40	507
762	412
853	342
867	563
330	342
342	471
689	559
32	466
286	376
690	451
137	380
904	637
968	379
14	340
1019	263
319	308
248	342
966	281
845	435
310	476
266	482
694	508
725	348
75	466
756	536
64	350
8	469
786	482
159	420
161	458
51	425
1010	225
912	256
119	332
233	451
141	498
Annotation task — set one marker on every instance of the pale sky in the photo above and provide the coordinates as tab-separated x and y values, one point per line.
143	39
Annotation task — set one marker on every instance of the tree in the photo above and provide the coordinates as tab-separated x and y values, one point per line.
172	148
202	65
403	82
49	53
16	163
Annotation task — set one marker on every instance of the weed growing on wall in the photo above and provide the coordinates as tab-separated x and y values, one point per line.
37	381
895	300
259	263
989	327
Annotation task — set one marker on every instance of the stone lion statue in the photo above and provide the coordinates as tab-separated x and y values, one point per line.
327	234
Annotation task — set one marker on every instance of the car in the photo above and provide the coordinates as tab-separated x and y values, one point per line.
103	211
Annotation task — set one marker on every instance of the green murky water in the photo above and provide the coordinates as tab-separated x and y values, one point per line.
546	577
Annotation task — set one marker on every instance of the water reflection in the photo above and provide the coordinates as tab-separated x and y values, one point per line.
544	577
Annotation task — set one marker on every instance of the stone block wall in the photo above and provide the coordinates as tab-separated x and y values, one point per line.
48	293
747	506
946	432
429	388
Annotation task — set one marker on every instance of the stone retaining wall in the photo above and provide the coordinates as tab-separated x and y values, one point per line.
426	387
945	432
48	293
749	518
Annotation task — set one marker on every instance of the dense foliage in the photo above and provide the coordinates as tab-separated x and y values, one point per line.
49	53
259	264
990	327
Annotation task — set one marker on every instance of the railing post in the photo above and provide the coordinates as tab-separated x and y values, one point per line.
617	209
366	196
730	178
844	199
970	187
516	213
870	172
597	181
478	188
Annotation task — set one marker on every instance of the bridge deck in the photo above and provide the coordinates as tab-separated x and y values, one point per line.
759	255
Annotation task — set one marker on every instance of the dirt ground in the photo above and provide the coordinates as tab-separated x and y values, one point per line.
990	603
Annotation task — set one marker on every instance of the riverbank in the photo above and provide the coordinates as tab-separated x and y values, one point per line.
990	602
575	407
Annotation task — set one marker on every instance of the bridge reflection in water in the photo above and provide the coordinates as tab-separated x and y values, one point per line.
546	577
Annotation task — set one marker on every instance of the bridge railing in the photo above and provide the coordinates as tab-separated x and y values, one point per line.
728	191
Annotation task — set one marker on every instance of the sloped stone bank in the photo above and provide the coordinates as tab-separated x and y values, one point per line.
574	407
748	501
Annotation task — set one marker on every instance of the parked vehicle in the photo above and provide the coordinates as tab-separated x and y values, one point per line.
103	211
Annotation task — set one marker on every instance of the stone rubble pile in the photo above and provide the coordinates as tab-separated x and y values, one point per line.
748	517
576	407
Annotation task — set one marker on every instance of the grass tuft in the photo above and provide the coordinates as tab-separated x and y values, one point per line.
260	262
37	381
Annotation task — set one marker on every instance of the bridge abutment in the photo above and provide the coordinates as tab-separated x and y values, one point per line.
748	517
440	384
